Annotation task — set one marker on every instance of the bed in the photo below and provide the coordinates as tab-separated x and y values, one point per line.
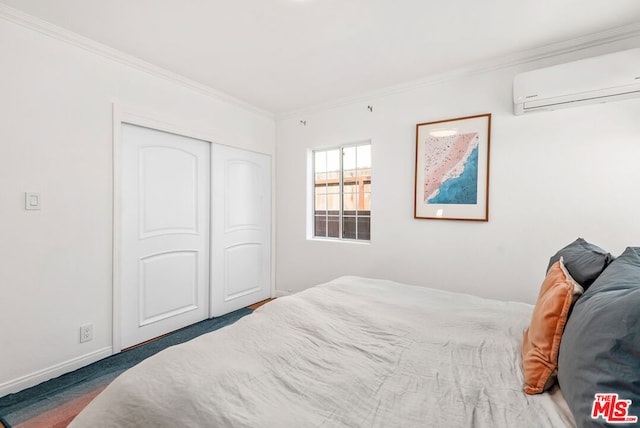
354	352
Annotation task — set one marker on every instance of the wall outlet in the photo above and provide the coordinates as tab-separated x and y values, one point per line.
86	333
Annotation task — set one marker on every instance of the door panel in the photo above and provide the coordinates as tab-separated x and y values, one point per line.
241	222
159	299
165	187
241	281
157	187
242	182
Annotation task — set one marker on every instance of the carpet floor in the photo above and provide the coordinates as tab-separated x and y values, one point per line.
54	403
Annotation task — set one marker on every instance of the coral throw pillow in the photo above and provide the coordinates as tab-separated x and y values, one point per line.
542	339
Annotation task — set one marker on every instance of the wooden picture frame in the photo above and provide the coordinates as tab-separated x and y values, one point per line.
452	169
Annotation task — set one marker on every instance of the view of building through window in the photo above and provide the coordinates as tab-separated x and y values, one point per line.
342	192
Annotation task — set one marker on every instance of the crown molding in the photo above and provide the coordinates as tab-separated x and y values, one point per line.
596	39
31	22
523	57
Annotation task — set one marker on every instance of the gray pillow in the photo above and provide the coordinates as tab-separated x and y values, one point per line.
600	347
584	261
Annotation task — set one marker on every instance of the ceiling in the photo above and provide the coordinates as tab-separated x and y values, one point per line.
283	55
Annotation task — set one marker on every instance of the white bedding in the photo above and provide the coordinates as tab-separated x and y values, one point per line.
351	353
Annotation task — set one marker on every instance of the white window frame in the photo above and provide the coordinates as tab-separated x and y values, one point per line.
311	194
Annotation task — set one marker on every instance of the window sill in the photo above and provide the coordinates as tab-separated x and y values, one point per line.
339	241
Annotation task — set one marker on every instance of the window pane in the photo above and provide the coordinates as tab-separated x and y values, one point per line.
333	226
364	175
364	228
321	202
333	202
320	161
350	202
349	158
364	156
321	179
349	225
365	203
350	188
350	176
333	160
320	225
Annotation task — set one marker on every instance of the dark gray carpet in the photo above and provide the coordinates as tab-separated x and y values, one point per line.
29	403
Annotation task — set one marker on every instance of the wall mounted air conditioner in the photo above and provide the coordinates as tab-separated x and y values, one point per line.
599	79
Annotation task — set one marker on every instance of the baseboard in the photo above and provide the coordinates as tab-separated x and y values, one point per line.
282	293
40	376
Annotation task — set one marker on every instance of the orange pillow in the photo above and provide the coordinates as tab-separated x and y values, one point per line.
542	338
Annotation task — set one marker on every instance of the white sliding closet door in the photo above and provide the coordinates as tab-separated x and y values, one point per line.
165	232
241	211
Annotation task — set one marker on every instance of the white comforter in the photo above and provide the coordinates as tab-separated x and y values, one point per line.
351	353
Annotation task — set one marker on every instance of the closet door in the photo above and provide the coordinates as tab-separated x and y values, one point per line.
165	233
241	228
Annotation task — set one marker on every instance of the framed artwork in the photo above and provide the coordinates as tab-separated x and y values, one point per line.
452	169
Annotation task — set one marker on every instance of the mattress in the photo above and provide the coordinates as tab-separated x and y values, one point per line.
354	352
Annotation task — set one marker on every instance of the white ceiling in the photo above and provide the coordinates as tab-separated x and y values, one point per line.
282	55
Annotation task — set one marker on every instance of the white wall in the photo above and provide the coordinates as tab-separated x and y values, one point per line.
56	139
555	176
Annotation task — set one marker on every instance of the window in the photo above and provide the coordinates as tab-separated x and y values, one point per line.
342	192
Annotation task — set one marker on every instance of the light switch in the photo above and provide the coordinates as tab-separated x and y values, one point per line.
31	201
